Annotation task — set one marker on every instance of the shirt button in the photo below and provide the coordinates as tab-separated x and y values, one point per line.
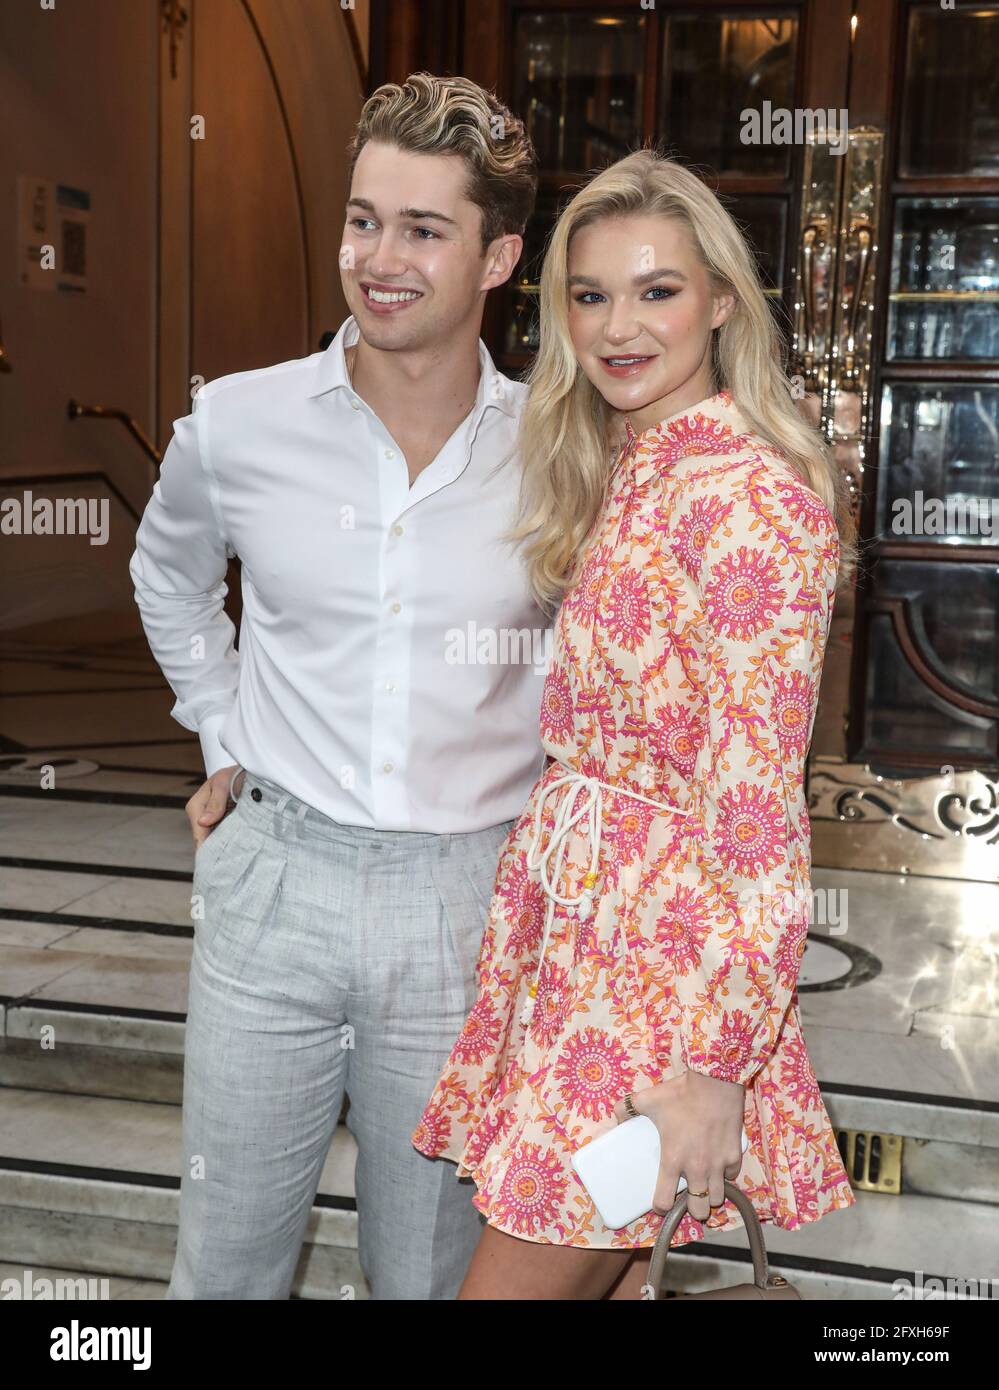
390	453
397	608
397	530
387	767
355	404
390	687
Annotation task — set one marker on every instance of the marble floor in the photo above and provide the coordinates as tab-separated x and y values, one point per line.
899	990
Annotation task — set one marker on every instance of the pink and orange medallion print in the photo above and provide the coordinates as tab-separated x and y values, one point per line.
686	669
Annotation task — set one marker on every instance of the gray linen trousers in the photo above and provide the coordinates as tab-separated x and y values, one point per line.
327	959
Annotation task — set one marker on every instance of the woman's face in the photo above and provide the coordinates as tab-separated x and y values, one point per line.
641	311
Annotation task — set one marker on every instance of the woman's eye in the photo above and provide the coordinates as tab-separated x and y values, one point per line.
660	292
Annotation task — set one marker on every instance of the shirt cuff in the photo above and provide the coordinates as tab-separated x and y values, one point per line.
214	754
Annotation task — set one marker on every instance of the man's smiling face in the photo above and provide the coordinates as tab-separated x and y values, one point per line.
415	267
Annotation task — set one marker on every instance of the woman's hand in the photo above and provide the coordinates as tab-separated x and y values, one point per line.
699	1119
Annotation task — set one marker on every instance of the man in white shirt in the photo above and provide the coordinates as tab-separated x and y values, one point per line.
378	728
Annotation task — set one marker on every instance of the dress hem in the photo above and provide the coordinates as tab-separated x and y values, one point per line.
733	1225
735	1222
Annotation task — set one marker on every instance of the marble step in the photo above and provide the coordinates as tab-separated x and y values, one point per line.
949	1150
93	1004
91	1184
872	1246
66	1030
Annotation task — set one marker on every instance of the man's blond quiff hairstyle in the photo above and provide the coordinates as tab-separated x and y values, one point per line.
455	116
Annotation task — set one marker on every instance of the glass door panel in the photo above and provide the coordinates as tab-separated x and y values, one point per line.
764	221
578	86
944	297
950	100
717	68
522	325
939	466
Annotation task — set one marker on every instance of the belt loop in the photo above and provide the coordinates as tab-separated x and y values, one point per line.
301	811
279	806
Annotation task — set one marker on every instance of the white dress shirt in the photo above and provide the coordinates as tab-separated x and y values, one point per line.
391	657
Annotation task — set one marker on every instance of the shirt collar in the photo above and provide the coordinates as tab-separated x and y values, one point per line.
331	373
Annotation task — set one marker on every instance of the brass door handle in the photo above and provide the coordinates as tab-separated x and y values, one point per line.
863	233
809	237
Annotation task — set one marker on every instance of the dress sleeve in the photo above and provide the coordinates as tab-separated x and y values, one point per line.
760	555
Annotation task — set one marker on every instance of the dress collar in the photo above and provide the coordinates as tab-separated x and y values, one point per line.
712	426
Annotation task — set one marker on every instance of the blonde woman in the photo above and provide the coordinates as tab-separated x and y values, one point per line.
650	906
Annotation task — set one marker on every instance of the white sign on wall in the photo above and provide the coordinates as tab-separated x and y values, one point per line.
53	223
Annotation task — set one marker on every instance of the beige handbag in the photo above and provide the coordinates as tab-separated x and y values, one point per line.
764	1285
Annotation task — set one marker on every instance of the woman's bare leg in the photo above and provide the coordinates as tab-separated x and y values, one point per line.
505	1266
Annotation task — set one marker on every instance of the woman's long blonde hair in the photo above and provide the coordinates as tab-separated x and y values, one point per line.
564	441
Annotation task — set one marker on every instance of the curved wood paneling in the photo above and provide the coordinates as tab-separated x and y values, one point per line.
249	285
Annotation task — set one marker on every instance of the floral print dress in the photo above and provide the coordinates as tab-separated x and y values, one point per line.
676	716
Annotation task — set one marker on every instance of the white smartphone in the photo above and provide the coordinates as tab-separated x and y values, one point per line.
620	1169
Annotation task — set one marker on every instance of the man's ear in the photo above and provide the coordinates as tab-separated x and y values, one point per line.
501	259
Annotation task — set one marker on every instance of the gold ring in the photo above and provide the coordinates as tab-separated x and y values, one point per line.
695	1194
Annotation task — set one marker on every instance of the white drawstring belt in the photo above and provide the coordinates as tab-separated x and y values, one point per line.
566	817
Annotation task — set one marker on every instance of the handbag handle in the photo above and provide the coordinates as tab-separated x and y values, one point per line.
676	1213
